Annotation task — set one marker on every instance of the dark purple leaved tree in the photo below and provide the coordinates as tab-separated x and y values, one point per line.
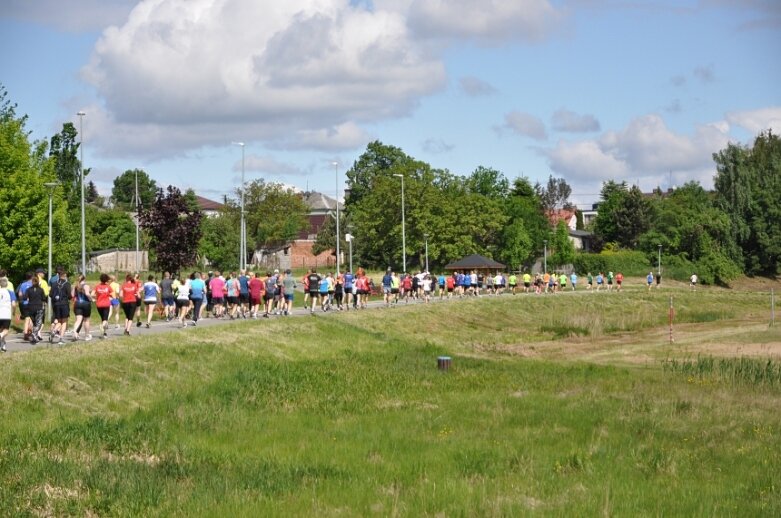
174	230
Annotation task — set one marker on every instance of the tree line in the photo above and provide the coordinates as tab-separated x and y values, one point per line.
720	234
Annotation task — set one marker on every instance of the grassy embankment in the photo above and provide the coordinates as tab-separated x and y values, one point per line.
556	405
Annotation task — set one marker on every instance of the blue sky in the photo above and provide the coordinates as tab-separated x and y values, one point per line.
586	90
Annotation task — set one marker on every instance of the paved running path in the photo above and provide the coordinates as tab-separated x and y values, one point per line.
15	343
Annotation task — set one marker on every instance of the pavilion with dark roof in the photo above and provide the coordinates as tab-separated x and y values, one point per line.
475	262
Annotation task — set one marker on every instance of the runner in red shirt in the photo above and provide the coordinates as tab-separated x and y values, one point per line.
255	293
619	280
103	301
450	282
129	294
406	286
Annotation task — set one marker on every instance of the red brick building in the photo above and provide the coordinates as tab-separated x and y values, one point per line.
298	254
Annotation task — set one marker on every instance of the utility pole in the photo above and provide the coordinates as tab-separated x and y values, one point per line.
338	235
403	226
81	115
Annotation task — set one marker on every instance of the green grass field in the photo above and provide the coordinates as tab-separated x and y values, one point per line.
557	405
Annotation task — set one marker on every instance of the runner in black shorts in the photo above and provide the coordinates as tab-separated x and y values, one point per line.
314	289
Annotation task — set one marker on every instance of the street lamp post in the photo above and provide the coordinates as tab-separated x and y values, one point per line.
138	210
349	238
338	235
243	224
425	237
545	256
51	186
81	115
659	262
403	226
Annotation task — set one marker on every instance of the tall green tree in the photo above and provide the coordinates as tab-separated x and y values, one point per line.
109	228
517	245
378	160
526	228
24	200
748	187
275	214
488	182
624	215
64	151
91	194
554	194
437	203
220	239
174	230
563	249
124	190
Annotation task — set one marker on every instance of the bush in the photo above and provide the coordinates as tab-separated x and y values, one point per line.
712	268
627	262
716	268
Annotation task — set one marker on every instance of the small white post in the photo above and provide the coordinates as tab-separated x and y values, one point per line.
672	311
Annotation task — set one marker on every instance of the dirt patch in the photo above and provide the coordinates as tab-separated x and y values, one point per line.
757	284
724	339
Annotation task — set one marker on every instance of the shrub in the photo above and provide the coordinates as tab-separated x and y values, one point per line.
624	261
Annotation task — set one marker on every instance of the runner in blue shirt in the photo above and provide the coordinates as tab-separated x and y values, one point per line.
244	293
20	291
387	281
349	279
326	304
197	291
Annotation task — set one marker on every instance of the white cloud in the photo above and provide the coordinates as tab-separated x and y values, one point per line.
343	136
645	149
524	124
585	160
571	122
303	73
487	21
756	121
268	165
475	87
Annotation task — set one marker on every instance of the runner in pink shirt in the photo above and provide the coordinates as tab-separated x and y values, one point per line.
217	287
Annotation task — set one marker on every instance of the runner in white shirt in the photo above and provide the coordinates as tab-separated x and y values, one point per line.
151	290
183	300
7	303
427	288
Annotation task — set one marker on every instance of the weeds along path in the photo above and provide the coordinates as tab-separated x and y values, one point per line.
16	343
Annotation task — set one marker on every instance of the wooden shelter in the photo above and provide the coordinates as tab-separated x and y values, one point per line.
475	262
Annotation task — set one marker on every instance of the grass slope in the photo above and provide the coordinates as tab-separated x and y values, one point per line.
547	409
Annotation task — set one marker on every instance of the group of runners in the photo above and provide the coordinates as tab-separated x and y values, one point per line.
185	299
424	286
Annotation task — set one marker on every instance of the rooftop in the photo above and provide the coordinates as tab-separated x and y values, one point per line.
319	201
207	204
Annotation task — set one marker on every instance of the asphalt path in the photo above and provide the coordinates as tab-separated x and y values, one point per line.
16	343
